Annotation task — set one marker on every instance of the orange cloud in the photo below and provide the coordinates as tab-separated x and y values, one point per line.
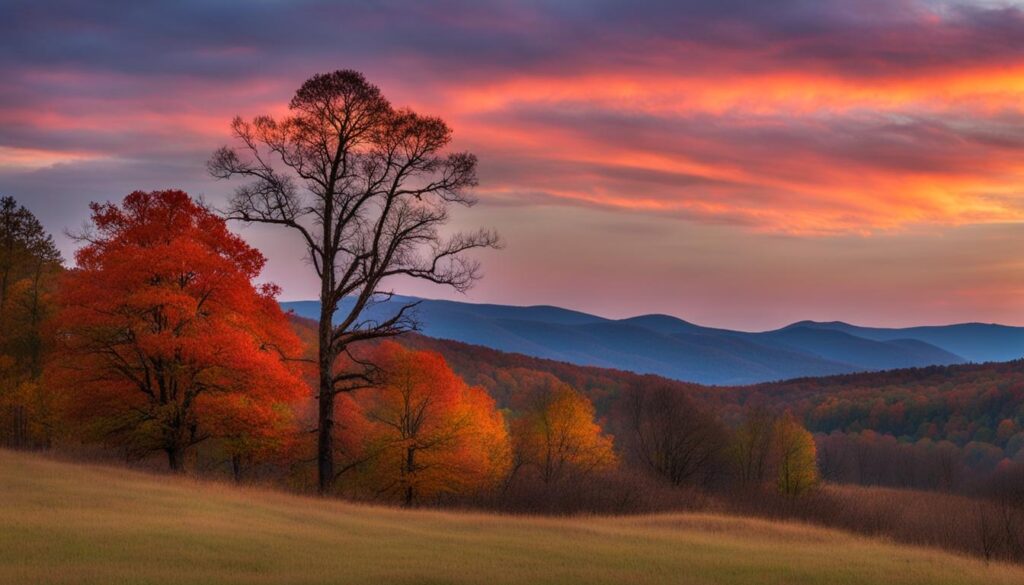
865	155
34	158
790	93
779	118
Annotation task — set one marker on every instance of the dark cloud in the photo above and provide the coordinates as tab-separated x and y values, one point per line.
228	40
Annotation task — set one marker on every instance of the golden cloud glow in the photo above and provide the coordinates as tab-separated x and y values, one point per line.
34	158
938	154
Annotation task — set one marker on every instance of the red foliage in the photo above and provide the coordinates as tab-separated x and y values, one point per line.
423	433
165	341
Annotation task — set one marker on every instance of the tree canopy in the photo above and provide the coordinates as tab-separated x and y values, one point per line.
424	433
165	341
29	267
556	437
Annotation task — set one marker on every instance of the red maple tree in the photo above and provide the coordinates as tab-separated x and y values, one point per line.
165	340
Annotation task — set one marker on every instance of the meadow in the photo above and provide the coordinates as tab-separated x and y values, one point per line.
76	523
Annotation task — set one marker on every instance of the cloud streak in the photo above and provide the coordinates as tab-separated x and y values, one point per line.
803	117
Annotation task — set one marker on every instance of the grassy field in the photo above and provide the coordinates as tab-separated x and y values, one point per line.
69	523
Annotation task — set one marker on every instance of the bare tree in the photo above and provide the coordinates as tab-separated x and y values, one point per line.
367	187
669	434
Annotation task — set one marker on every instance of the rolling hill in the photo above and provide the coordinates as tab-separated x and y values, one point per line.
677	349
65	523
976	342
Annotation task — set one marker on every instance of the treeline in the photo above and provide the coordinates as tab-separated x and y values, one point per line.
945	427
159	343
969	417
168	346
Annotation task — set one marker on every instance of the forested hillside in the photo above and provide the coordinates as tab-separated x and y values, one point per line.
943	426
903	427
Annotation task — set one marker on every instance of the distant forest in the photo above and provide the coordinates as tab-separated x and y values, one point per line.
945	427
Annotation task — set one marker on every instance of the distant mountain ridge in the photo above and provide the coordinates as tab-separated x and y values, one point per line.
674	348
976	342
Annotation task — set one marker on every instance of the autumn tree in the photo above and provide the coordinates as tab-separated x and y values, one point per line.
795	456
557	436
251	431
423	432
751	447
776	451
29	261
669	434
165	342
29	266
368	188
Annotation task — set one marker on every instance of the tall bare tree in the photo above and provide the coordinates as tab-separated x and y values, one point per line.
367	187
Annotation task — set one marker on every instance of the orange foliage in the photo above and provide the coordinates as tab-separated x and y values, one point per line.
165	341
423	433
557	436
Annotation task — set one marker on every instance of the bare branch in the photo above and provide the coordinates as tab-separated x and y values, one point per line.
368	187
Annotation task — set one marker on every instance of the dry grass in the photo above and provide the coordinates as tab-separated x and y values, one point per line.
68	523
984	528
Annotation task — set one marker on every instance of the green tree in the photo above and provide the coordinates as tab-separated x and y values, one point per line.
29	261
29	267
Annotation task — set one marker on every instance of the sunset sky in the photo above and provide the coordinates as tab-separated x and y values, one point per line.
741	164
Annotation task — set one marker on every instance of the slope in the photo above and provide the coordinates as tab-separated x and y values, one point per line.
66	523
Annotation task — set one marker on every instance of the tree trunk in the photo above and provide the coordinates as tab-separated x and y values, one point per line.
18	439
410	467
236	468
5	285
325	402
175	459
36	358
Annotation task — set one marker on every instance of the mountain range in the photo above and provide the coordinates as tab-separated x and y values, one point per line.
674	348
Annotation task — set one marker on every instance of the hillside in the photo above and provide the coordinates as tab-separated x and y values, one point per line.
962	404
673	348
67	523
957	427
910	419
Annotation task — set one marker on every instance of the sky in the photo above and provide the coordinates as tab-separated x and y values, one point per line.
740	164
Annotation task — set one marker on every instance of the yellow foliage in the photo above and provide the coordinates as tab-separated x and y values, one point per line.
796	457
558	435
